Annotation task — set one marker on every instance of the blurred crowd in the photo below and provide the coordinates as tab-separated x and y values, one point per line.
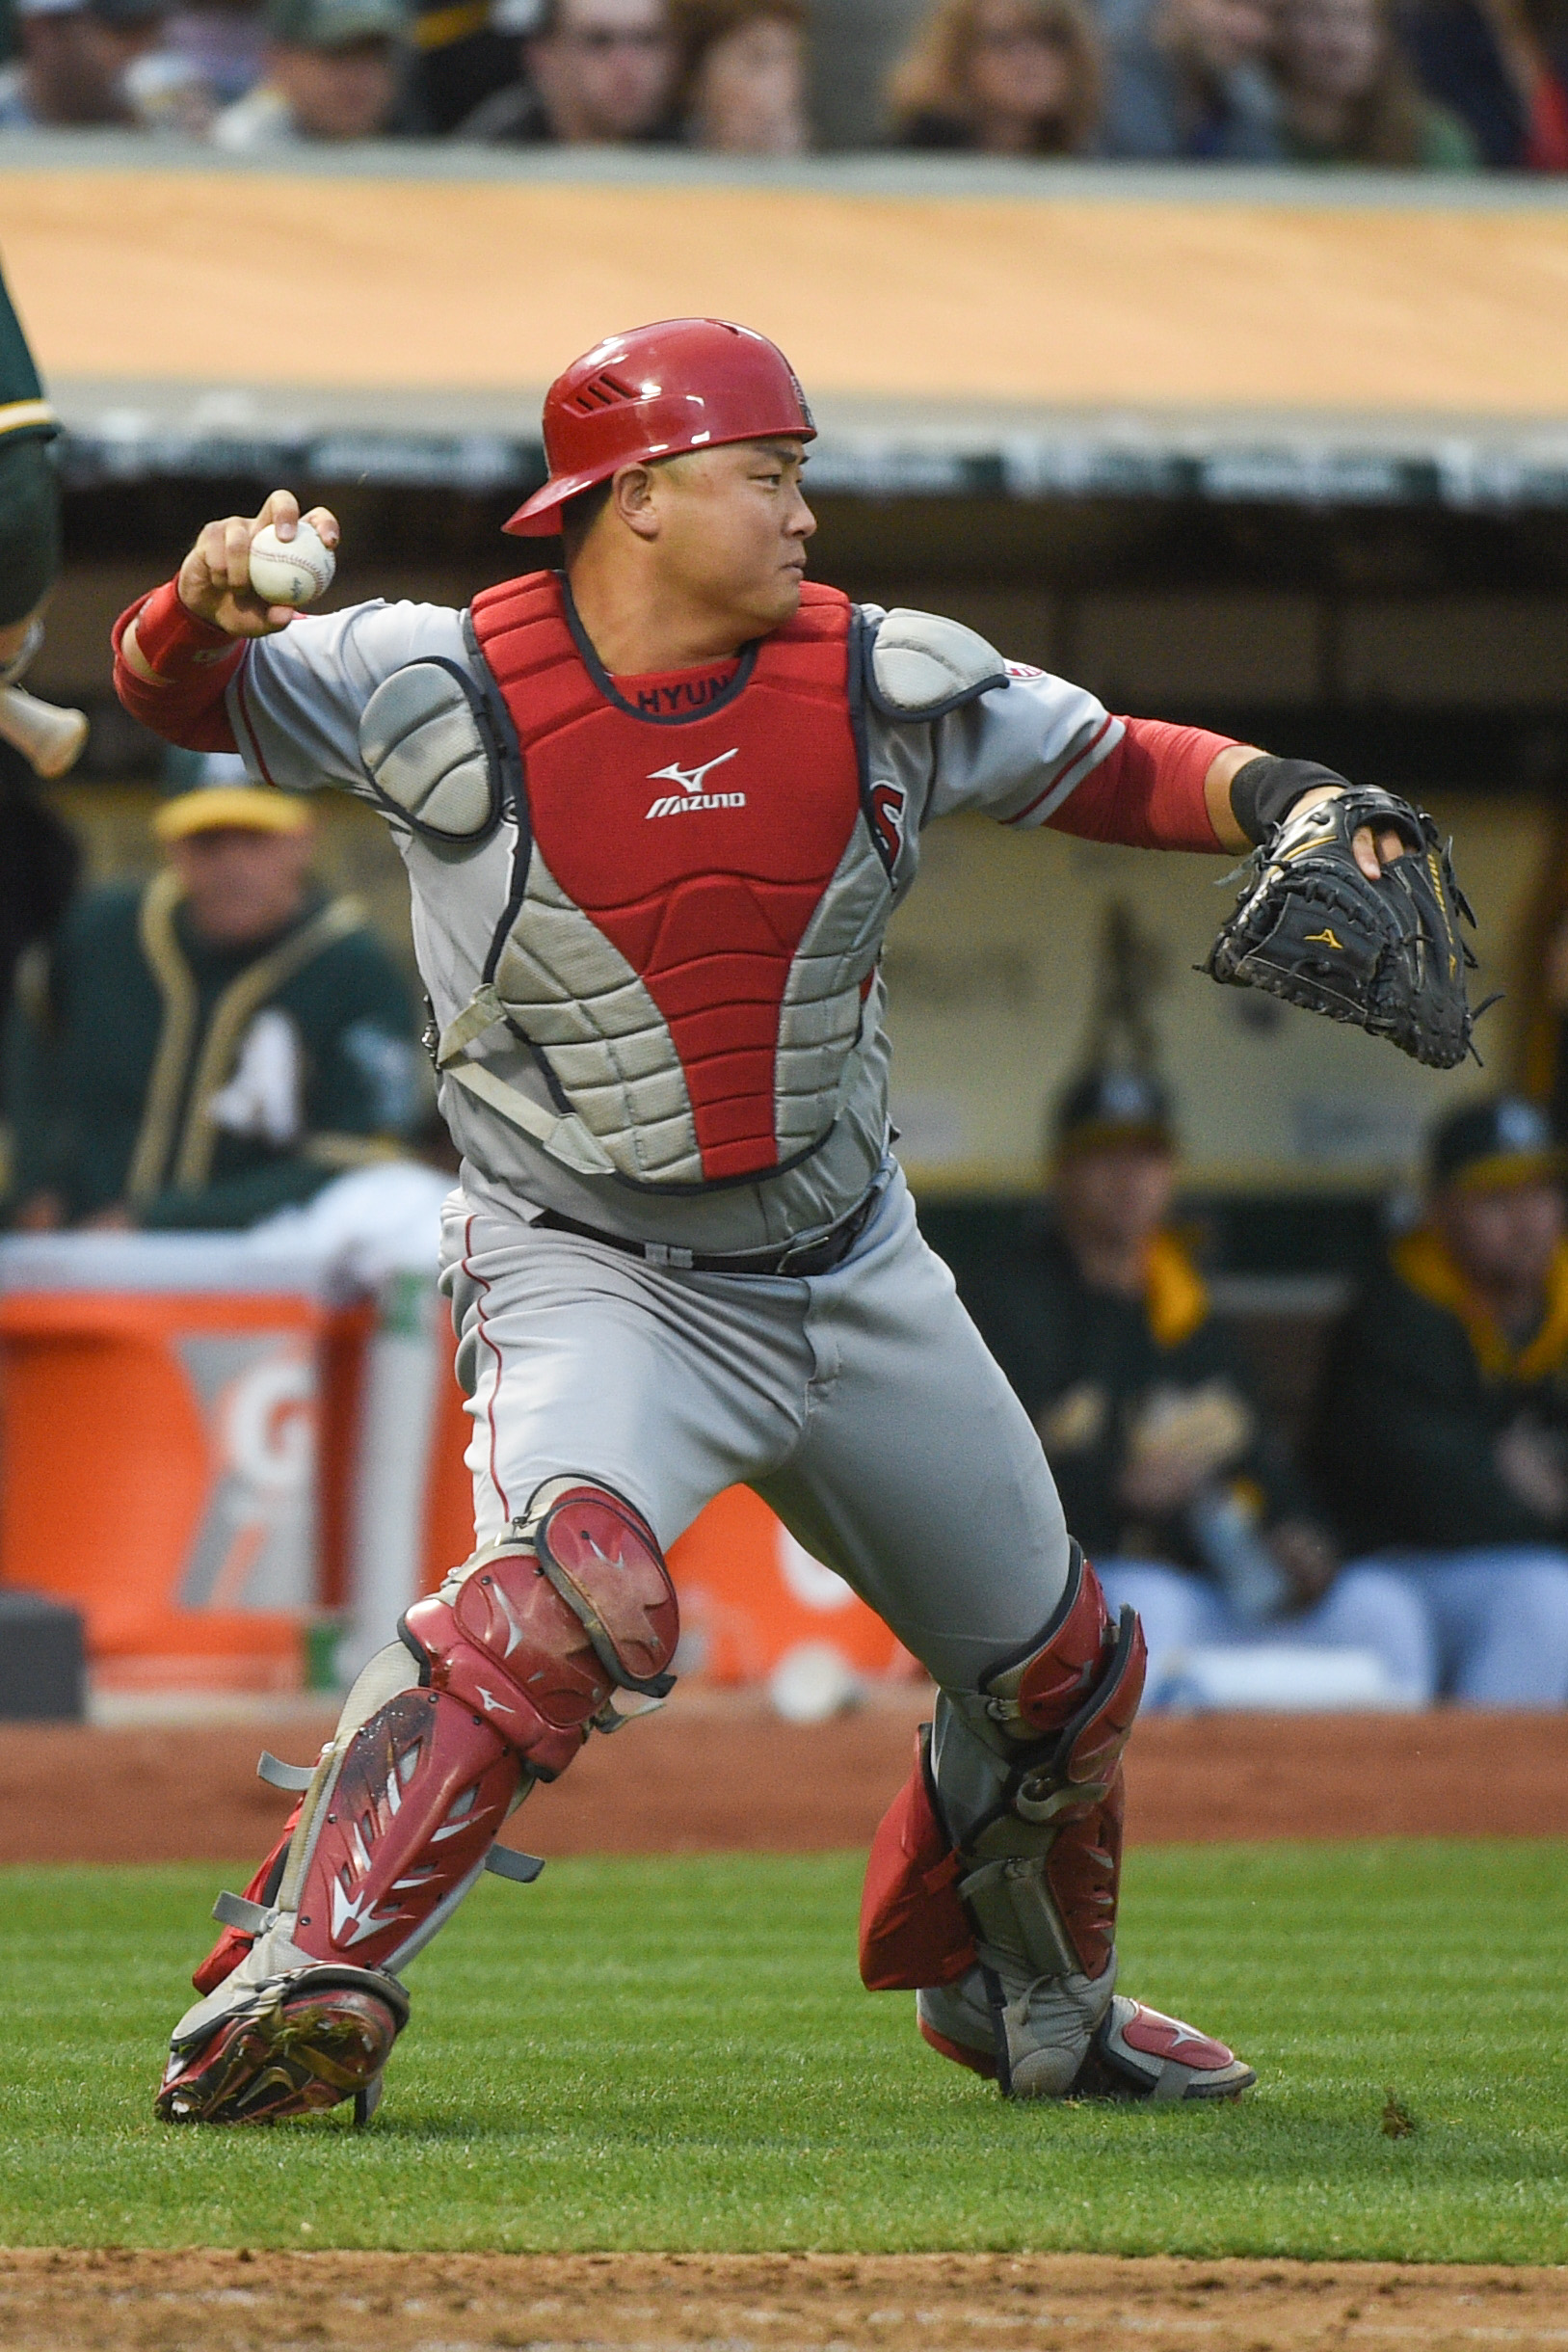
1416	85
1406	1541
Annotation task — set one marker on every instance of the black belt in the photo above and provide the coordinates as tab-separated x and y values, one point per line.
799	1258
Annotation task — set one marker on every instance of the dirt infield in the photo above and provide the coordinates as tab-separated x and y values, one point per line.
719	1773
241	2302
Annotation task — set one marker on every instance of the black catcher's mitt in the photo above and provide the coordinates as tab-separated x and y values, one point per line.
1386	955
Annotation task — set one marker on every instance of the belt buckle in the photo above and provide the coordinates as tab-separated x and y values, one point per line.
833	1246
784	1262
826	1249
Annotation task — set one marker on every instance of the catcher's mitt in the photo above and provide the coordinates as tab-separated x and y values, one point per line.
1386	956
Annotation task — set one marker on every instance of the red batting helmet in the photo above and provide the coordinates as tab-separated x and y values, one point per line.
681	384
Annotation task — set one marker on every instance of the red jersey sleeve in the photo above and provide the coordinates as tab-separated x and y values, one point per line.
194	665
1148	792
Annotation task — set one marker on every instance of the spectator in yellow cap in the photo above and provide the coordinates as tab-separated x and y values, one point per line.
211	1046
1442	1423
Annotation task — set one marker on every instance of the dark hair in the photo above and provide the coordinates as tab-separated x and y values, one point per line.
700	24
1389	123
928	92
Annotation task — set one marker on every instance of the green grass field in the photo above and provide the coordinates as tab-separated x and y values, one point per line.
678	2054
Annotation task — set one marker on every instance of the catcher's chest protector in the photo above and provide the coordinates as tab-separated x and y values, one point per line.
704	898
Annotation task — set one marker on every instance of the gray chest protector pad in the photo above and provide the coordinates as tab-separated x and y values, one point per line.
430	749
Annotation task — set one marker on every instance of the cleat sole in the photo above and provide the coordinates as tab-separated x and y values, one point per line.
303	2049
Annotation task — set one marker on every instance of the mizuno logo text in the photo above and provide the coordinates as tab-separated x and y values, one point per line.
691	795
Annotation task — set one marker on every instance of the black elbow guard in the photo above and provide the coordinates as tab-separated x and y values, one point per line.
1266	789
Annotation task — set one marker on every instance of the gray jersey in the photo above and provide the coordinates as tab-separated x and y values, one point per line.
1015	753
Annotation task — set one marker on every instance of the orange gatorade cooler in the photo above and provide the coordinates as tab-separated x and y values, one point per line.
160	1453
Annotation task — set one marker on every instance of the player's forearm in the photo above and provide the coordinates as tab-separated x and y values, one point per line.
171	672
1219	806
1161	787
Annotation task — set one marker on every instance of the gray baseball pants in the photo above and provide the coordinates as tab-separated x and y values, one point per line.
861	1405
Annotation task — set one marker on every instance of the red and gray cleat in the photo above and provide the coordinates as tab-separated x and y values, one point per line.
1021	2045
289	2046
1137	2053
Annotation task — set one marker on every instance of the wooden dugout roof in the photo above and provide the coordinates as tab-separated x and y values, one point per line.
1044	323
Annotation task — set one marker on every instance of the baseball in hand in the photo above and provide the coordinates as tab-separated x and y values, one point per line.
290	570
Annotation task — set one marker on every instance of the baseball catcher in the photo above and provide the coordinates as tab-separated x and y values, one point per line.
656	809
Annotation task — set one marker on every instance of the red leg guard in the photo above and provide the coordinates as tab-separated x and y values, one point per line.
423	1788
1083	1685
1070	1707
1085	1682
521	1658
914	1929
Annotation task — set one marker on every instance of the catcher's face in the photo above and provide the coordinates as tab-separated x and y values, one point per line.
724	530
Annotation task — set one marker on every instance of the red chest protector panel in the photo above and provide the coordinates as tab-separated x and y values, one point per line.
702	847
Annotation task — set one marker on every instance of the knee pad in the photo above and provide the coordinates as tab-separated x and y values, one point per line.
1075	1694
541	1630
1036	1877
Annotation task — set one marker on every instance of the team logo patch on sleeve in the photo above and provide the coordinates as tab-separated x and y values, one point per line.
691	795
888	814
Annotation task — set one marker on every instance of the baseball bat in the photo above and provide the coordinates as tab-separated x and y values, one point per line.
49	739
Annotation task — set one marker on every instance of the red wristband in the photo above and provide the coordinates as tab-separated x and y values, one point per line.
172	640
